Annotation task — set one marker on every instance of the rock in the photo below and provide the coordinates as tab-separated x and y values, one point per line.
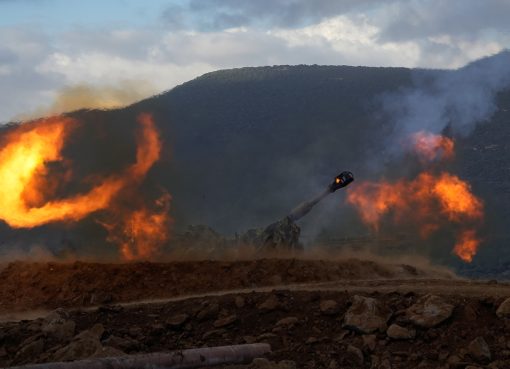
288	322
96	332
83	345
107	351
429	311
356	354
342	335
58	325
80	348
329	307
30	350
397	332
123	344
311	340
366	315
454	360
479	350
503	310
261	363
370	342
385	364
287	364
250	339
177	321
472	367
271	338
208	311
270	304
239	302
215	332
223	322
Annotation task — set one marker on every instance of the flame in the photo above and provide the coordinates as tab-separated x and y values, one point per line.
424	202
29	199
431	147
23	158
141	232
466	246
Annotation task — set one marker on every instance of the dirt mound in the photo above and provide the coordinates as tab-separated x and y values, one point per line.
26	286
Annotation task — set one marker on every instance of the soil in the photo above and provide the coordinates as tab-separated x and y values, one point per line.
28	286
303	318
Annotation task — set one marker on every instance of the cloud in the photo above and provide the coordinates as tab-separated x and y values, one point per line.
200	36
214	15
469	19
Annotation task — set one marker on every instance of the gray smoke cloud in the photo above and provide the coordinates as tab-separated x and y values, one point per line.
458	99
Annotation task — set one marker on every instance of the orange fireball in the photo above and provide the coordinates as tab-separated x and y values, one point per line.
425	202
26	201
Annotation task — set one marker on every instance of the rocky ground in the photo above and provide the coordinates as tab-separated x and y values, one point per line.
377	323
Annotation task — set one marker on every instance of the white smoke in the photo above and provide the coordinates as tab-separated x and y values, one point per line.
458	99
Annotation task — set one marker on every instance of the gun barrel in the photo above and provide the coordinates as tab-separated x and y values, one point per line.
340	181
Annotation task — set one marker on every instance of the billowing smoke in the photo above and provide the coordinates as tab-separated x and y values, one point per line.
425	119
86	96
458	99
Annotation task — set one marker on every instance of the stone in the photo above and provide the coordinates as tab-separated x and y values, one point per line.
80	348
311	340
58	325
177	321
208	311
223	322
356	354
261	363
95	332
329	307
385	364
453	360
503	310
31	350
479	350
123	344
397	332
107	351
370	342
429	311
215	332
270	304
288	322
249	339
366	315
287	364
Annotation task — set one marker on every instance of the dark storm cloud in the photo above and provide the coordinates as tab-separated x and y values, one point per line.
429	18
221	14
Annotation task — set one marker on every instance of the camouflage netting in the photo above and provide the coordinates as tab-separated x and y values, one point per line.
281	235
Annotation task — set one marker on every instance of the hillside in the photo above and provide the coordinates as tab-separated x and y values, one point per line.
245	146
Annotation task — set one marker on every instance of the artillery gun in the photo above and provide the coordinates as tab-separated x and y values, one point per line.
284	234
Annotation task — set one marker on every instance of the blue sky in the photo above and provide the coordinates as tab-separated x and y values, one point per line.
57	15
52	48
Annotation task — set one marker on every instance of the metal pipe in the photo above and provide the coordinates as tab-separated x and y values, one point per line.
192	358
